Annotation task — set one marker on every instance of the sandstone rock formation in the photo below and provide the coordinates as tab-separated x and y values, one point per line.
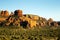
18	13
25	20
4	13
50	20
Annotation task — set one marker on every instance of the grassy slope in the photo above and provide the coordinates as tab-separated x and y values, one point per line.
19	33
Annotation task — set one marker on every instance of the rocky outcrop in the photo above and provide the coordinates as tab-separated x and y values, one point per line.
18	13
16	18
4	13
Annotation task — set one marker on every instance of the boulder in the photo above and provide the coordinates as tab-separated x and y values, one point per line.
18	13
6	13
2	13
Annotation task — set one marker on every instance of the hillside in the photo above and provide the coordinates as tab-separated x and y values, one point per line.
19	26
17	18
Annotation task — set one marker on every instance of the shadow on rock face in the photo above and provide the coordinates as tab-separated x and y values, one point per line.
24	24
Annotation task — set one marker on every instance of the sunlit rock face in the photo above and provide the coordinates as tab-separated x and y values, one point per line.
4	13
18	13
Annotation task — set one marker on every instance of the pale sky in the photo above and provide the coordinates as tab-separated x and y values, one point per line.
43	8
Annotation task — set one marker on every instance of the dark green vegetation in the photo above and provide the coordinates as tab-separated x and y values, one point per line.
19	33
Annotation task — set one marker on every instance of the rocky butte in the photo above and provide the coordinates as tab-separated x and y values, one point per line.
18	19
